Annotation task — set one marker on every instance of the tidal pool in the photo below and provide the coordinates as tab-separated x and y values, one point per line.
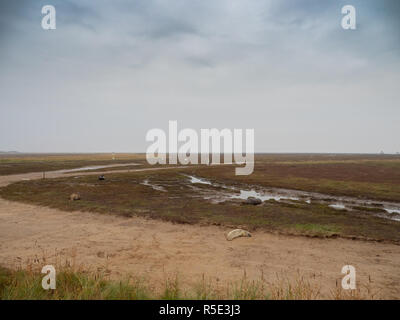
277	194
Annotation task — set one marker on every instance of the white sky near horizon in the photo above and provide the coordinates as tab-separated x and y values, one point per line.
111	71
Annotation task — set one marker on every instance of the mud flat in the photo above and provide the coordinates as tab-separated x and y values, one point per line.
159	249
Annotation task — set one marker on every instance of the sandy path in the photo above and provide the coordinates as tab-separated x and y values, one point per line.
158	249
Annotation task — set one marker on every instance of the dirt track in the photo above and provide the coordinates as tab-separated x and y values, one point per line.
158	249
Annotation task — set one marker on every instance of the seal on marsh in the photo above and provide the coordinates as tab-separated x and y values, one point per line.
253	201
74	197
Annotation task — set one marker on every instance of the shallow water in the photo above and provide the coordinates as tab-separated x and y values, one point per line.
155	187
198	180
244	194
339	206
98	167
393	210
277	194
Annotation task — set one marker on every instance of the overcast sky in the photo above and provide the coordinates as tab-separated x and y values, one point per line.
112	70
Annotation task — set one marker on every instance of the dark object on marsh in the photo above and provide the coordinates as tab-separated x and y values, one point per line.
253	201
102	178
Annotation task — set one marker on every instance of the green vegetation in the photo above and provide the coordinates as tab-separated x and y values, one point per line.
362	176
124	194
18	164
317	229
361	208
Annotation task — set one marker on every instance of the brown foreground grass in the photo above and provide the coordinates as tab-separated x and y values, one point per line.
77	284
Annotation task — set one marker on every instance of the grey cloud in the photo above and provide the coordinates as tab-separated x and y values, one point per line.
285	68
78	14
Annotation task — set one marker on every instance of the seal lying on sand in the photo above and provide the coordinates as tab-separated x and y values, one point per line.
237	233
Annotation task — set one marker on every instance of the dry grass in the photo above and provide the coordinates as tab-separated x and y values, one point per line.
78	282
74	283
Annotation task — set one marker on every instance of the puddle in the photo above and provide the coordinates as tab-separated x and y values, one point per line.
338	206
393	210
155	187
198	180
277	194
98	167
395	214
244	194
